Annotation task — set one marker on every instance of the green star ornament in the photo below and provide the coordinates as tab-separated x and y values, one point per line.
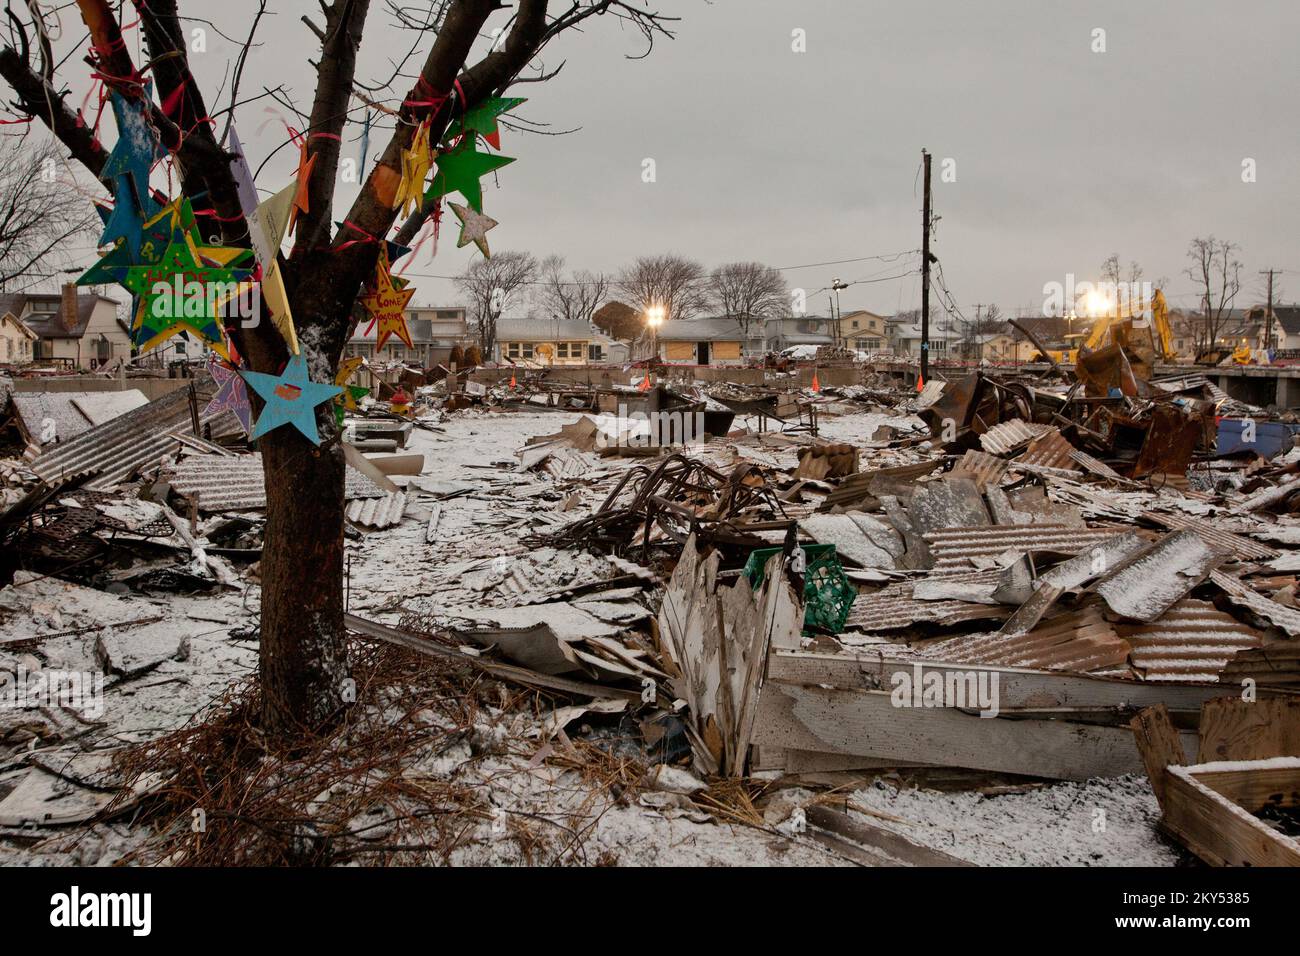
460	169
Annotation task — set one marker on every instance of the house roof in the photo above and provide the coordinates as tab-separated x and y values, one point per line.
19	324
543	330
1288	316
51	324
702	330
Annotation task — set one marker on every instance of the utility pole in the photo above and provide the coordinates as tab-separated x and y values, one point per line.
975	333
925	272
1268	319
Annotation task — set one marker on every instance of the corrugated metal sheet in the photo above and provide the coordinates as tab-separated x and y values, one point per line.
1094	465
1081	641
957	546
121	446
225	483
1150	582
1193	640
72	413
378	512
1287	618
1216	537
1005	437
982	468
1050	450
855	488
893	609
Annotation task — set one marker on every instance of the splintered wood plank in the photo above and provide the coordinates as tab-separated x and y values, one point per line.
1159	745
867	723
874	838
1235	729
1221	831
1019	688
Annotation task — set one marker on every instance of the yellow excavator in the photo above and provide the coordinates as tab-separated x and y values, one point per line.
1128	333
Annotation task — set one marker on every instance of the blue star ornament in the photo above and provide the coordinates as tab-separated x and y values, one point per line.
128	166
291	398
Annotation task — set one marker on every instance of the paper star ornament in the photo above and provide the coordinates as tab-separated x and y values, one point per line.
347	399
416	163
474	227
180	293
231	395
482	119
291	399
387	305
460	169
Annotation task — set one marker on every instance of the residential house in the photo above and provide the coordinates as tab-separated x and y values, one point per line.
75	328
702	342
996	347
17	341
549	342
905	339
435	331
864	331
782	333
1285	325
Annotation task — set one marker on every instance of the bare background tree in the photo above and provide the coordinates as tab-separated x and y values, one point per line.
1217	273
673	282
573	297
304	664
39	212
973	330
492	286
747	292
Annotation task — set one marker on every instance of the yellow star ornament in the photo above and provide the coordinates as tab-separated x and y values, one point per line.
387	305
416	163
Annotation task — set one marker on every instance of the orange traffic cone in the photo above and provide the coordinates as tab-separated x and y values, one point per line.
816	385
920	383
645	385
512	380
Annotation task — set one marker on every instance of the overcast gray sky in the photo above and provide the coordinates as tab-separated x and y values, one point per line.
1062	155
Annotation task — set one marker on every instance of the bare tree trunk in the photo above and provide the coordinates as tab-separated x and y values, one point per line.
304	659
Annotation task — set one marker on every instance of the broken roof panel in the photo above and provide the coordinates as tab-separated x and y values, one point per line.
223	483
1080	641
1193	640
1050	450
121	446
378	512
961	547
1006	437
1217	537
1150	582
71	413
1241	594
893	608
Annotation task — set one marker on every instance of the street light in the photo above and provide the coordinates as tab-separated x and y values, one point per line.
836	285
654	317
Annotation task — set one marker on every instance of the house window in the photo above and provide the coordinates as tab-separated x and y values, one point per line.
568	350
594	353
855	323
939	346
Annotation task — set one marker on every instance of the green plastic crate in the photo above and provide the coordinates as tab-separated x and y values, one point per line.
828	594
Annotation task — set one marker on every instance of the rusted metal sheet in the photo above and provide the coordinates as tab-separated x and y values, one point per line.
1273	665
121	446
1150	582
1050	450
959	547
1241	547
897	481
950	502
1094	465
1243	595
1172	436
894	609
1193	640
1094	562
980	467
237	484
1079	641
378	512
1006	437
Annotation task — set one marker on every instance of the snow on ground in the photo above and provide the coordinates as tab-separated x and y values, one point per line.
1097	823
477	559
